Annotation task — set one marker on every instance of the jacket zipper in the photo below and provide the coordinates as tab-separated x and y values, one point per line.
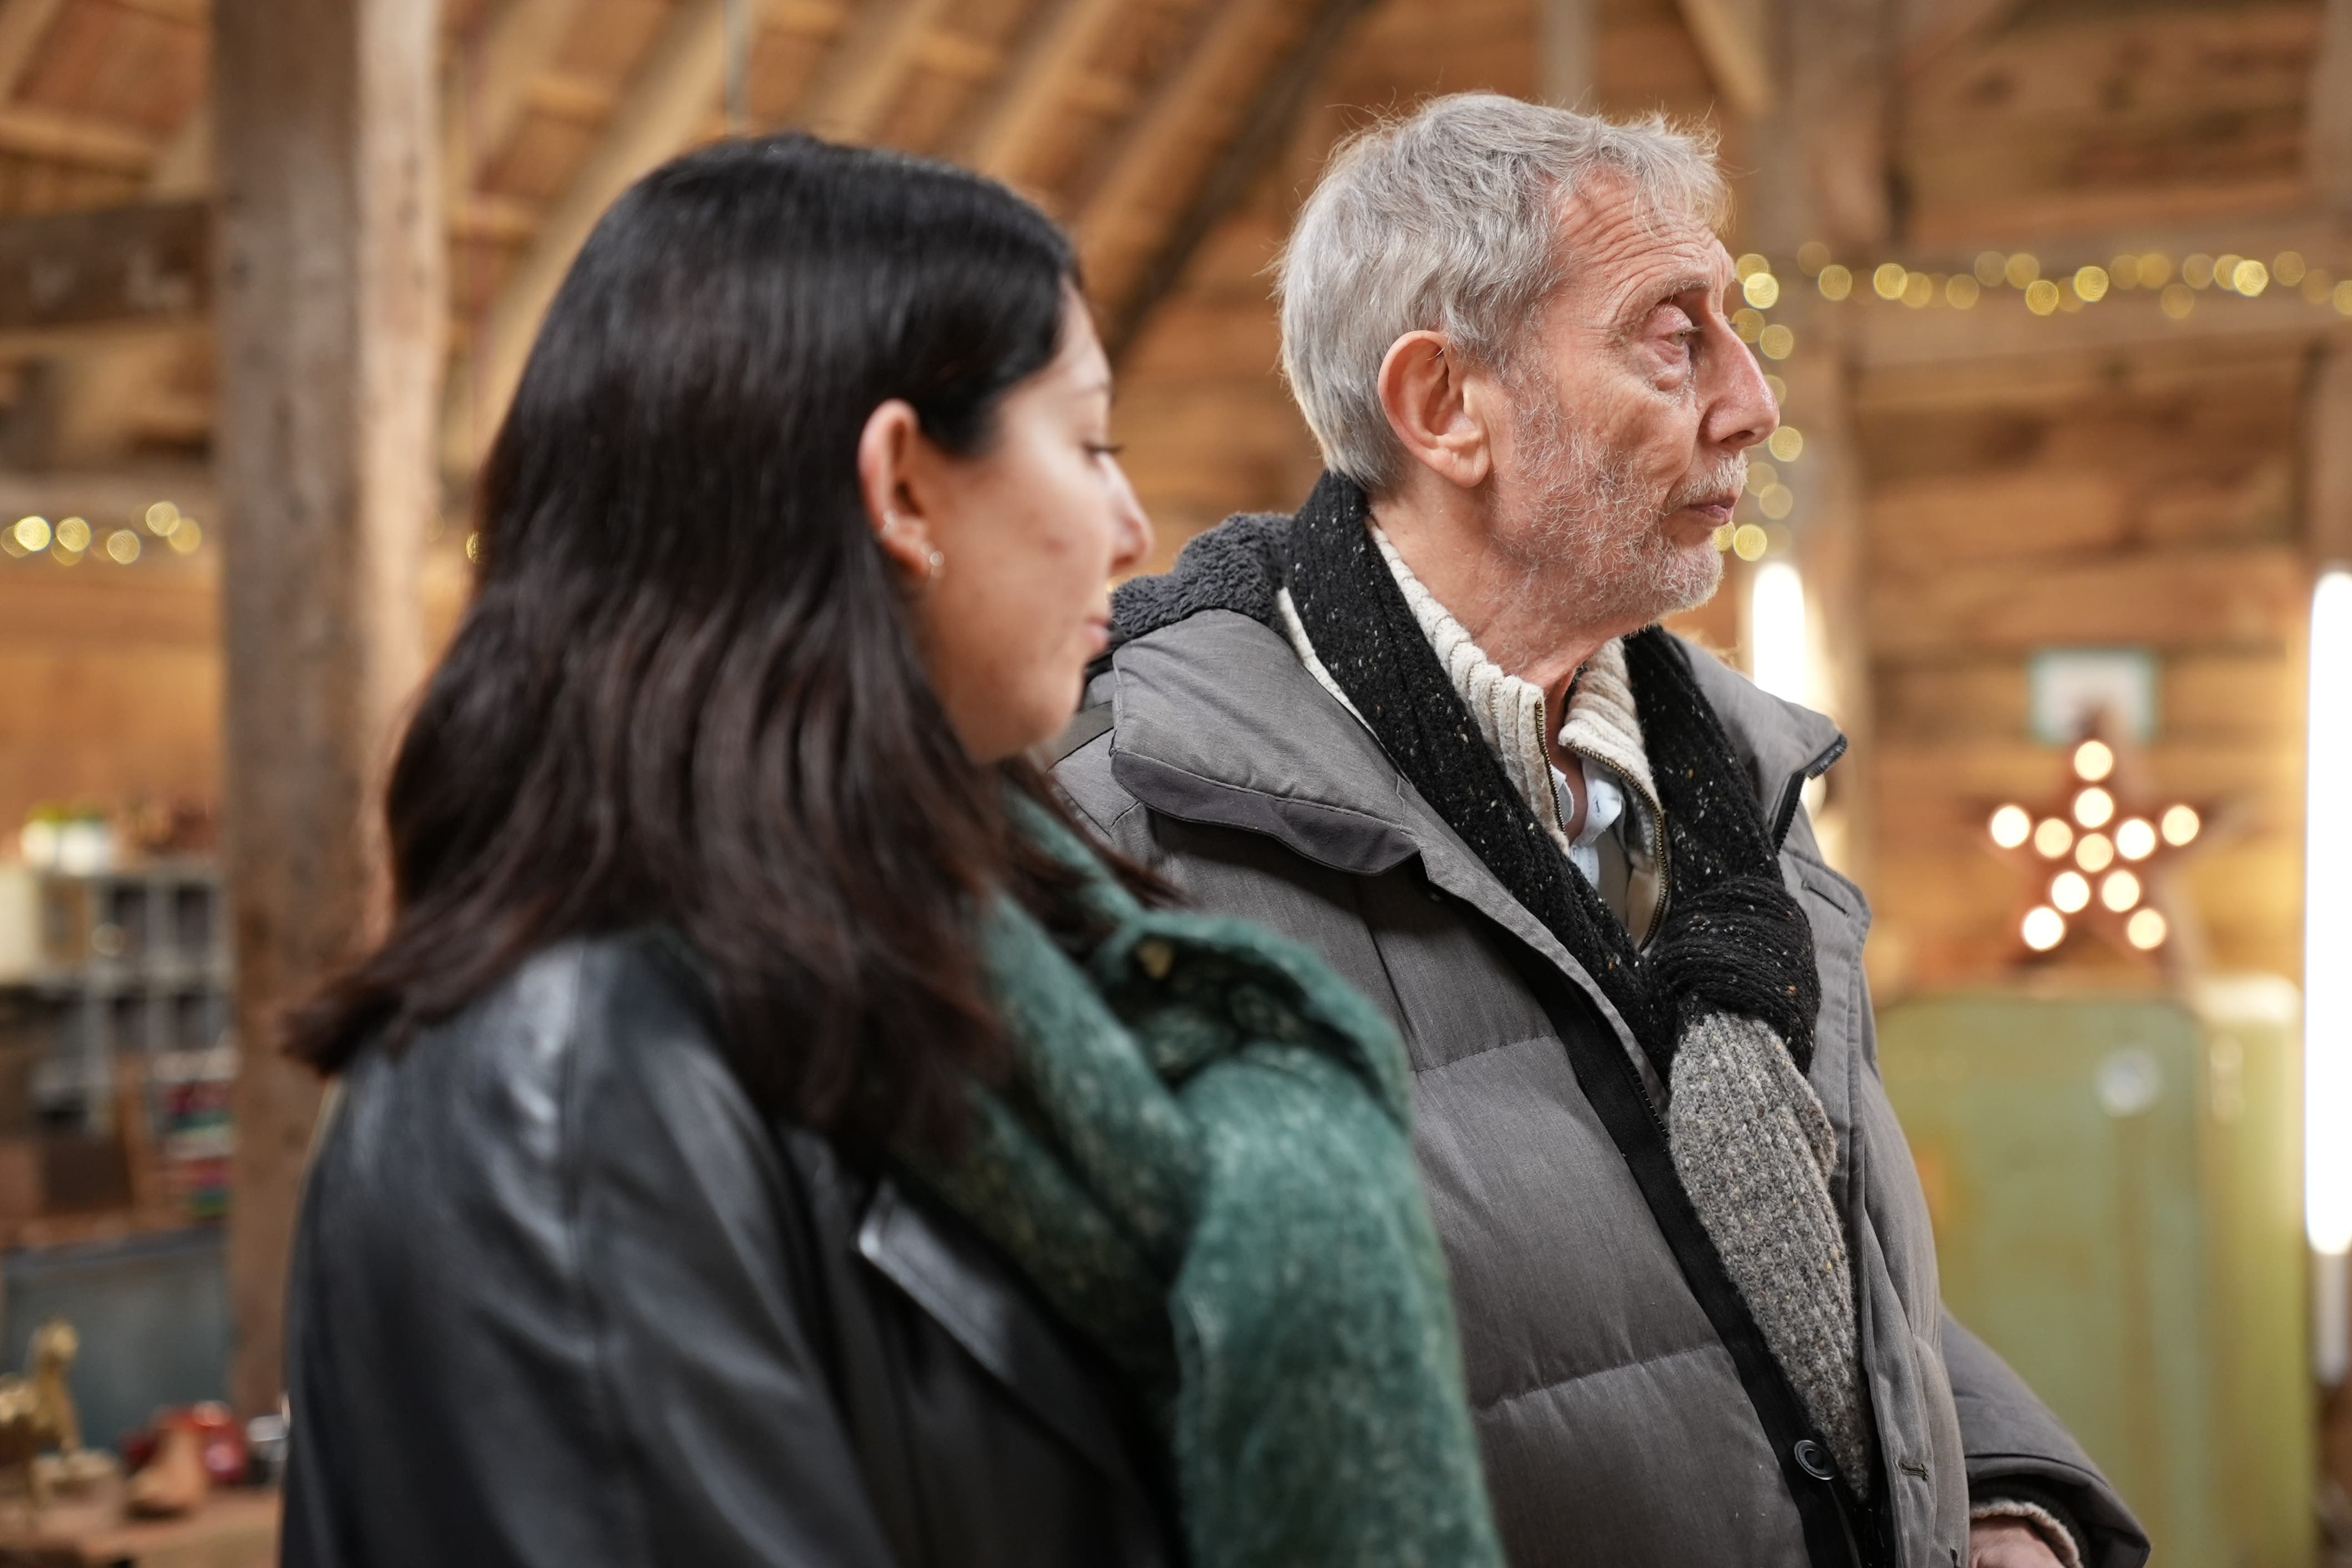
1658	835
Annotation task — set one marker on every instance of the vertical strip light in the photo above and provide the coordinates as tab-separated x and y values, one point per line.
2327	969
1779	655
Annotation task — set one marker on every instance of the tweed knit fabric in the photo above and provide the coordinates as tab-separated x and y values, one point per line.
1509	711
1603	723
1755	1149
1203	1164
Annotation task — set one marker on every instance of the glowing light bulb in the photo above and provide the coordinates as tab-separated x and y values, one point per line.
2120	891
2095	853
2095	808
2070	891
2180	825
2043	928
2136	840
2094	760
2052	838
2011	826
2145	930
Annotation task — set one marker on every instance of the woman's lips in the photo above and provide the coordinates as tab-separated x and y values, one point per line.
1098	634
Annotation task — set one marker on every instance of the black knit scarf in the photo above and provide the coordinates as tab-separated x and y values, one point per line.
1734	939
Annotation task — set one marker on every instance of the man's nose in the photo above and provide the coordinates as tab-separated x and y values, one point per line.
1743	411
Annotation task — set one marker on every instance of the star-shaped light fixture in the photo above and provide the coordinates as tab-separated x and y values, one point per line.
2095	856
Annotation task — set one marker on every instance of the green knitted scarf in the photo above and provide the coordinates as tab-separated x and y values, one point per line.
1202	1163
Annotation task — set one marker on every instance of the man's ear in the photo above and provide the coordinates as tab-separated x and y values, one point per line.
891	458
1427	394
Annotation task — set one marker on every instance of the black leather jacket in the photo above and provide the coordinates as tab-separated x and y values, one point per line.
562	1297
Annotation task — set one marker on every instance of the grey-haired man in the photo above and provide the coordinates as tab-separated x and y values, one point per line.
1429	726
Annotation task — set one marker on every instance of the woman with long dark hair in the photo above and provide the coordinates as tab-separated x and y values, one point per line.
770	1133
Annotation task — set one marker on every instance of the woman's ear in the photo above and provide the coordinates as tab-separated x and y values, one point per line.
889	452
1424	389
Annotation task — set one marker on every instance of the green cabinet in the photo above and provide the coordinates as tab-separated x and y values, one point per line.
2116	1186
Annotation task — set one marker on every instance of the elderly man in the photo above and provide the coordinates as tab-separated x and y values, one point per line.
1429	726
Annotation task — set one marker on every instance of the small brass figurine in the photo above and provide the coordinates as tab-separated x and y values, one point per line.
38	1414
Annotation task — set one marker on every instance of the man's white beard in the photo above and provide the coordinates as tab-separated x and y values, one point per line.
1586	520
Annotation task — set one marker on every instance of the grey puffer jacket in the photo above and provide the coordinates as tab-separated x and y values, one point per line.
1615	1426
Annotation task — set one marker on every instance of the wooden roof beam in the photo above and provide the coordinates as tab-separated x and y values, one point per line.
1266	124
856	87
1041	84
1212	77
488	89
1734	38
1938	29
96	398
664	108
23	25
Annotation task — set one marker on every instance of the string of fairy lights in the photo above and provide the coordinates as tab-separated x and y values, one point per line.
2021	279
69	541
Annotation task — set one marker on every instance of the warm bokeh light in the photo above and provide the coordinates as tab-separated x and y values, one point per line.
1787	443
2043	928
1762	290
2070	891
2011	826
33	533
2136	840
2053	838
2095	853
122	547
2095	808
2094	760
2120	891
2145	930
2180	825
73	534
186	536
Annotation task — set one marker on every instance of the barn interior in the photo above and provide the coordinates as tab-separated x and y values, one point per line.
2057	298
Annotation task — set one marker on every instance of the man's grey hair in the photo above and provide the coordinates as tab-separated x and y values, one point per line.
1448	221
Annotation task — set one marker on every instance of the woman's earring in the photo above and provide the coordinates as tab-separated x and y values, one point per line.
889	521
938	562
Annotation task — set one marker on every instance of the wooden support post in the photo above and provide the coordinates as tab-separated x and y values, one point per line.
331	304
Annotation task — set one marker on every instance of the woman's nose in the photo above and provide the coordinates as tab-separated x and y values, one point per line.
1132	542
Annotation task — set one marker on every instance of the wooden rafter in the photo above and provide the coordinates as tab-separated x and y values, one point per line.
869	65
1949	24
484	99
1042	81
1731	39
663	110
1266	127
23	25
90	394
1199	89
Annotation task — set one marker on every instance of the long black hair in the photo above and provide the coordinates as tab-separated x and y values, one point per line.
687	690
